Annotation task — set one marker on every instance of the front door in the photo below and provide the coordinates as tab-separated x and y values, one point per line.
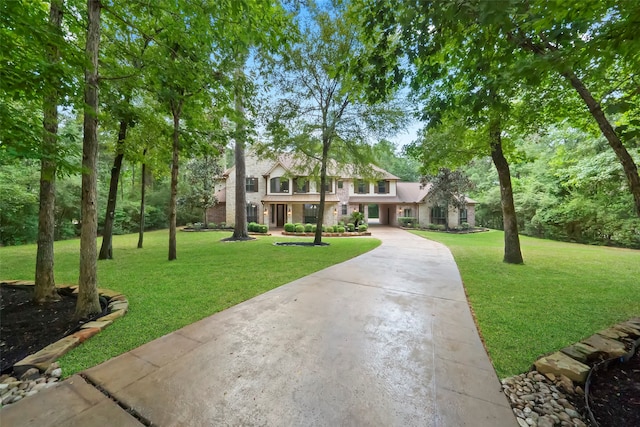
280	214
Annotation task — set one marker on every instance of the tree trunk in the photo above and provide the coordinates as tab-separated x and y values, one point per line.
87	285
143	189
323	179
512	252
628	165
176	110
106	251
240	228
45	286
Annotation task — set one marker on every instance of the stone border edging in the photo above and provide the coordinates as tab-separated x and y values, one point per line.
43	359
575	361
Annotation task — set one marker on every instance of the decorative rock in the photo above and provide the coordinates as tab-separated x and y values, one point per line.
611	347
56	373
86	333
531	422
579	391
99	324
522	422
613	333
582	352
572	413
567	384
51	367
564	416
559	363
545	421
578	423
30	374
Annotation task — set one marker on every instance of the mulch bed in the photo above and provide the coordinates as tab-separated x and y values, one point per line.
26	328
614	395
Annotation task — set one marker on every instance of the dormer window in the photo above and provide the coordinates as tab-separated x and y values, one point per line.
362	186
301	185
382	187
279	185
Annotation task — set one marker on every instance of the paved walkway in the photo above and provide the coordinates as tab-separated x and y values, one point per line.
385	339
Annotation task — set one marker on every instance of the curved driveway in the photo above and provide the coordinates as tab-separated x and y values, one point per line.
385	339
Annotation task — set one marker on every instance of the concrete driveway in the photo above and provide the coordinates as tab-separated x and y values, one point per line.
385	339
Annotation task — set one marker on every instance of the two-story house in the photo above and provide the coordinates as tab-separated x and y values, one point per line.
281	190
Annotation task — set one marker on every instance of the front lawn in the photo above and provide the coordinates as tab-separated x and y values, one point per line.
208	276
563	293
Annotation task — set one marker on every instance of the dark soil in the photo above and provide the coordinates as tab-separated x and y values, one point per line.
26	328
299	244
614	394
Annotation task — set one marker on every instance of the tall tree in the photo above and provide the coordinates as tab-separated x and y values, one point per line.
87	284
240	231
455	65
45	287
593	46
321	113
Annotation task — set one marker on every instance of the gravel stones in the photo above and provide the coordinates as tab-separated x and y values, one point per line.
31	382
538	401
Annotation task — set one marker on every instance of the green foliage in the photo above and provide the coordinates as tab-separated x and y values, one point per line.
340	229
356	218
252	227
363	227
407	221
299	228
522	310
308	228
351	227
289	227
263	228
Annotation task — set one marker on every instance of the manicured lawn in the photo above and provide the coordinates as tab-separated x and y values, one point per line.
208	276
563	293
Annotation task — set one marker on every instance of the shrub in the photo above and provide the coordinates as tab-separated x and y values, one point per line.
334	228
340	229
406	221
465	226
351	227
252	226
441	227
432	226
363	227
289	227
314	227
263	228
308	228
341	223
299	228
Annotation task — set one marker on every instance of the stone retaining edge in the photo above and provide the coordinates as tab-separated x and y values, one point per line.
43	359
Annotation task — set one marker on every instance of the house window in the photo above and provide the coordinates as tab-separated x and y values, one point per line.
407	213
252	212
345	209
382	187
310	213
438	215
279	185
251	185
340	184
463	217
300	185
362	187
328	186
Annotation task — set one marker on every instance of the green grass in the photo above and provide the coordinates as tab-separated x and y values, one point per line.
563	293
208	276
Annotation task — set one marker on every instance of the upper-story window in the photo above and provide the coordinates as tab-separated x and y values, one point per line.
328	186
279	185
251	185
362	186
382	187
301	185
